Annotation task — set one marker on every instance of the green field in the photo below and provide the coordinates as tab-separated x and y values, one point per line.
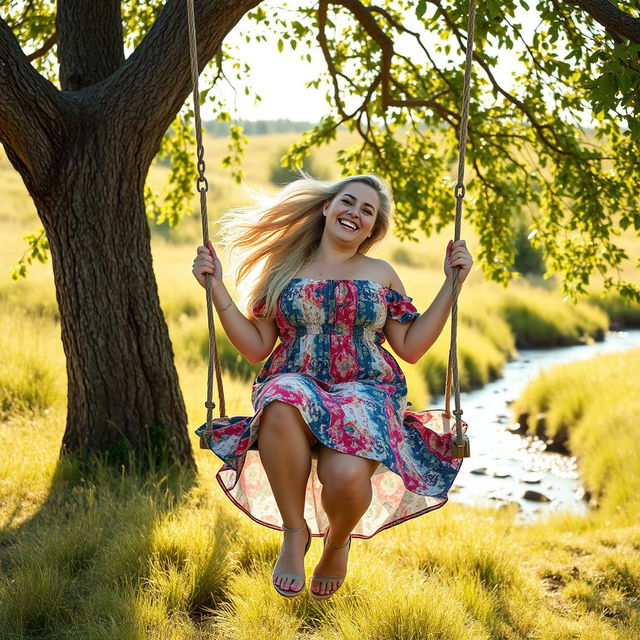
96	553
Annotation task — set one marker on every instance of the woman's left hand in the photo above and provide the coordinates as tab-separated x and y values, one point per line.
457	256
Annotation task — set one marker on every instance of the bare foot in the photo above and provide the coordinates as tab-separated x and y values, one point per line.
333	564
291	560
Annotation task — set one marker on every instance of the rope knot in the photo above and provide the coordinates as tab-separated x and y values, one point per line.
209	404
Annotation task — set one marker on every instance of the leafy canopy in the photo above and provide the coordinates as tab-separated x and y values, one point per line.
394	76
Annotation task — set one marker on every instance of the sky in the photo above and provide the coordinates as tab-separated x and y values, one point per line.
278	78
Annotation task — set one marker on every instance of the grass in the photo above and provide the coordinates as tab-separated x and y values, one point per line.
33	365
594	404
621	312
105	554
92	552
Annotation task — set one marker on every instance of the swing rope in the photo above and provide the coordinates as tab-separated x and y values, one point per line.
461	447
203	186
460	444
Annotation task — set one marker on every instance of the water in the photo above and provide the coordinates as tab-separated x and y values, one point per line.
515	463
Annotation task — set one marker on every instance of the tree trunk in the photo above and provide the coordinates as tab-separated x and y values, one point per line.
81	34
83	154
123	391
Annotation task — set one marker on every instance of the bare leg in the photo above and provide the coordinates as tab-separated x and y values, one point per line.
346	495
284	443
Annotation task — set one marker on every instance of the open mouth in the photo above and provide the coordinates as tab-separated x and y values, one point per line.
347	224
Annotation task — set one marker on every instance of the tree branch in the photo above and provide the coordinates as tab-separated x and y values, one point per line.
333	72
90	47
51	40
542	128
365	18
612	18
30	113
25	15
145	94
364	15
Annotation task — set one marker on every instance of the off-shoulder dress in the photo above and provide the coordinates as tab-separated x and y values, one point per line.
351	392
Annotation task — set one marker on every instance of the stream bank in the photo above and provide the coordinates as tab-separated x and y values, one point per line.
508	467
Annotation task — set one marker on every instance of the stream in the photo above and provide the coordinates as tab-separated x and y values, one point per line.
503	465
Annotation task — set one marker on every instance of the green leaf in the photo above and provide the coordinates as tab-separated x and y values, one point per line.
37	249
529	159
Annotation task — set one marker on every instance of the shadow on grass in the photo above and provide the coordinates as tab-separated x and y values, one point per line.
84	565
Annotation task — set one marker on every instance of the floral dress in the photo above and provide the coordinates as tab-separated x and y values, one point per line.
331	365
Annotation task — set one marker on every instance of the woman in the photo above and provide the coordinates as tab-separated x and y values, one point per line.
329	383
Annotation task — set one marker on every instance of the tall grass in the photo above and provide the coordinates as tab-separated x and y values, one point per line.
32	366
101	555
595	403
120	555
621	312
89	552
538	318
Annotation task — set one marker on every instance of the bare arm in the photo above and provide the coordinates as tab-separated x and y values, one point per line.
412	340
425	329
254	339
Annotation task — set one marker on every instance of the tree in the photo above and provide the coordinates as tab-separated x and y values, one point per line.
83	153
84	149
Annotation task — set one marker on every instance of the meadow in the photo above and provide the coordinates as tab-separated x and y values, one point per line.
89	552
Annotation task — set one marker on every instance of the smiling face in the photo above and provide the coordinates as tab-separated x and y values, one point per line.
351	215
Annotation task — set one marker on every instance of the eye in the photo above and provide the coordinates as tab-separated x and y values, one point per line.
346	201
368	211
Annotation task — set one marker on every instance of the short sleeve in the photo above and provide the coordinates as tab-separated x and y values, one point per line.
259	309
400	307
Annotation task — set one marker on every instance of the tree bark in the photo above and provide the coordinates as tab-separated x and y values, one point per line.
83	154
123	391
30	117
90	46
611	17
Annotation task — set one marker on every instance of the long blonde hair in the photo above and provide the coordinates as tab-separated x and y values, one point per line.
268	243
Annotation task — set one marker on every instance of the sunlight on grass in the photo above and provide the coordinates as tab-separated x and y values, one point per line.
102	553
595	404
32	364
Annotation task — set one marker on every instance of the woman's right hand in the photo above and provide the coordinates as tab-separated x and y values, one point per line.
206	261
